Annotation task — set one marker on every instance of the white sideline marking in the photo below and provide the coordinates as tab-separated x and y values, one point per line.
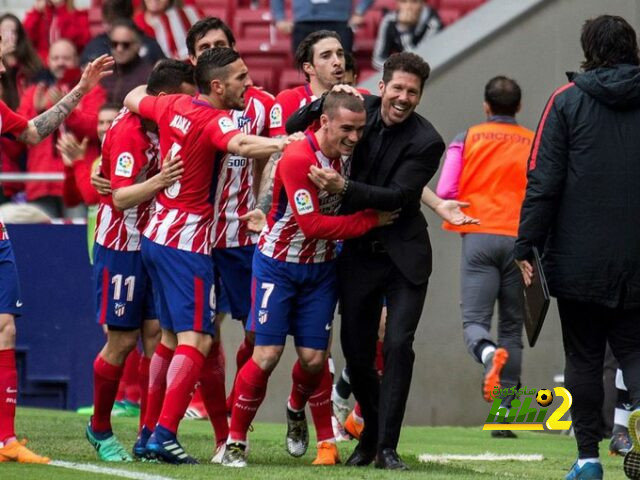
483	457
87	467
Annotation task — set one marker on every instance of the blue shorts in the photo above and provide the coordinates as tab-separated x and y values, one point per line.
292	299
185	292
124	295
9	287
232	270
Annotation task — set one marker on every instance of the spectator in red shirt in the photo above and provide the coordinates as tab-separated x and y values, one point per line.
169	24
51	20
63	64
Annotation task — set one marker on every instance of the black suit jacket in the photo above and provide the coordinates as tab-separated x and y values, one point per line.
411	154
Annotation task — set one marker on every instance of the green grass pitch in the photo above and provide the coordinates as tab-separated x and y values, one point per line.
60	435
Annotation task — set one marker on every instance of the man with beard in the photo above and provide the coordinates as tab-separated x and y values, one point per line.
176	244
399	153
294	289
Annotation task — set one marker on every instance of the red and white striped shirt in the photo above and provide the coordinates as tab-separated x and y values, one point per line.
302	226
129	156
235	195
10	122
170	29
198	132
287	102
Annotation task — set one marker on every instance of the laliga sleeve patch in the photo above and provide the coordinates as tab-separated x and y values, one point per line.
124	164
302	200
275	116
226	125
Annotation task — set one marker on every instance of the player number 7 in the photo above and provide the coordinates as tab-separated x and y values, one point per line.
268	289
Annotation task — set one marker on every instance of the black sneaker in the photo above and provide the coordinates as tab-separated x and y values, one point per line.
297	433
620	443
503	434
235	455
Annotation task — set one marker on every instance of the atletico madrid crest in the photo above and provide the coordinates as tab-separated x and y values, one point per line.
119	309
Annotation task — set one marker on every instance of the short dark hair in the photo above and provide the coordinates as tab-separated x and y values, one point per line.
112	9
503	95
168	75
111	106
214	64
200	29
406	62
336	100
304	52
608	40
127	23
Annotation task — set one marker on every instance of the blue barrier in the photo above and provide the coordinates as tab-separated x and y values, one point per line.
57	336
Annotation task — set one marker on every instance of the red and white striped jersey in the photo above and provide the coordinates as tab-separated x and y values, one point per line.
129	156
287	102
303	226
10	122
170	28
235	195
200	133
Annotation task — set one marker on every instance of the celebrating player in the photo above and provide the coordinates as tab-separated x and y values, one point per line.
176	243
124	294
294	280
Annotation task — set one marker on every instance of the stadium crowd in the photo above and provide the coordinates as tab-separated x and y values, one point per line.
210	196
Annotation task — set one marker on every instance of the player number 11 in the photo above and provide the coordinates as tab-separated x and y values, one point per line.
129	282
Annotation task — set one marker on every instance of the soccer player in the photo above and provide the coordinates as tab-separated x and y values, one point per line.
177	242
123	289
294	281
232	243
31	132
320	57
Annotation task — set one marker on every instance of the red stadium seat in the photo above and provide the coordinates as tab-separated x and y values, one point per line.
215	11
384	5
290	78
464	6
449	15
247	17
264	78
261	53
371	23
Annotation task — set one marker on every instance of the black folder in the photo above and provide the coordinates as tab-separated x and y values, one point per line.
536	300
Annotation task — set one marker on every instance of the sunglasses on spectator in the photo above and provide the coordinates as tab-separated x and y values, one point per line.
125	45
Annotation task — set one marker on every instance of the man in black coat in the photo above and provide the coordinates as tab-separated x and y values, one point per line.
399	153
581	208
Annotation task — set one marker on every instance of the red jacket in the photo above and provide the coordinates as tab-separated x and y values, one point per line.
54	23
77	186
43	157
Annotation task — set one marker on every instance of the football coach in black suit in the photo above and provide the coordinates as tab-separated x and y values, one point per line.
398	154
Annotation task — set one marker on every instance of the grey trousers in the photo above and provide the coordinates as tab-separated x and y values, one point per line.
488	273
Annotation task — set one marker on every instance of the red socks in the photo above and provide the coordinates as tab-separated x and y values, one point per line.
304	384
320	406
213	392
128	387
105	387
143	382
251	387
184	371
245	350
157	384
8	394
